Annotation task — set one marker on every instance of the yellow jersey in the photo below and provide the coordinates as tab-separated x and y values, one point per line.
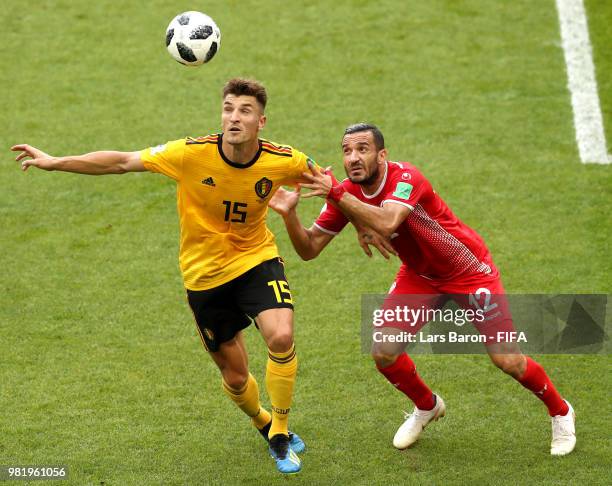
222	205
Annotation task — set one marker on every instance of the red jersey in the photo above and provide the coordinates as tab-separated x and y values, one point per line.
431	241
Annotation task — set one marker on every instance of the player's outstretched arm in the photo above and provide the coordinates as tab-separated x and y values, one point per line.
94	163
383	220
308	243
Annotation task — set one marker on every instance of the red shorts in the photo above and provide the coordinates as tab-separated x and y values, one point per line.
480	296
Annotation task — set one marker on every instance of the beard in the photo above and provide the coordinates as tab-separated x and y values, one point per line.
364	180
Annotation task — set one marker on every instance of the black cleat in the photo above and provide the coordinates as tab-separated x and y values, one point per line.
295	441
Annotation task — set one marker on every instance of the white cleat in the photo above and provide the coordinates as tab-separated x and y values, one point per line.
409	431
563	433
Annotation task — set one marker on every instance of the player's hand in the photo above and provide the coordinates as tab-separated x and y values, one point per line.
284	201
320	182
367	236
38	158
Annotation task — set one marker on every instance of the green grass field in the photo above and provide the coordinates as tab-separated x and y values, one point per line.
101	367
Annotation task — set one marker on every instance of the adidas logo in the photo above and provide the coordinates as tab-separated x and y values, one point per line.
209	181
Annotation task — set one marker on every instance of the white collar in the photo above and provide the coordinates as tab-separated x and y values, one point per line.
380	188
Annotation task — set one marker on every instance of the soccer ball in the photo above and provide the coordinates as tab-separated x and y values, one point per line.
193	38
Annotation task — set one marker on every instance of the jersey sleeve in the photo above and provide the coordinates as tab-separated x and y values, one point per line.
166	159
299	165
331	220
406	187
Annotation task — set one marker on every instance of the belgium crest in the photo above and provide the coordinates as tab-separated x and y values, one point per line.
263	187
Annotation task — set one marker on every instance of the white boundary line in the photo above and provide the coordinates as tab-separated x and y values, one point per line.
581	82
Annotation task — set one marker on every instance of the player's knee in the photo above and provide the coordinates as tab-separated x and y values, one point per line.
235	379
383	354
511	364
281	341
383	359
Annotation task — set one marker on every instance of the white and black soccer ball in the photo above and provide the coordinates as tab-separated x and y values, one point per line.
193	38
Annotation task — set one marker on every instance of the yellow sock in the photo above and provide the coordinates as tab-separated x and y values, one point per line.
280	378
247	400
262	419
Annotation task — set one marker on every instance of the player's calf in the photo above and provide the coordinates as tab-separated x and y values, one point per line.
402	374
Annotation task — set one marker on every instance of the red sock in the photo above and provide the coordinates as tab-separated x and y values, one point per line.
403	375
537	381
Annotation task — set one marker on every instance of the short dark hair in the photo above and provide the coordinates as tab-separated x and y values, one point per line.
246	87
379	140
